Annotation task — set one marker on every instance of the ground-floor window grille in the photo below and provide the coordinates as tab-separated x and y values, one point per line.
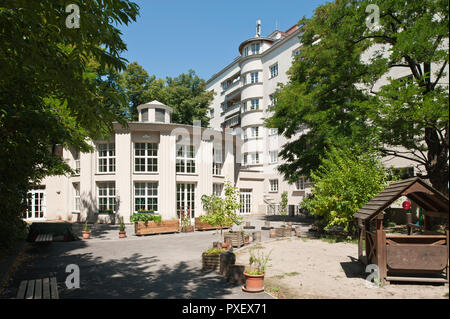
107	196
186	198
246	201
146	196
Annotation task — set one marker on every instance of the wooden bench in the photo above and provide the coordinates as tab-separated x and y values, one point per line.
44	238
38	289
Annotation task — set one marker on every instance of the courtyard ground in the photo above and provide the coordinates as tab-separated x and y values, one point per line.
313	268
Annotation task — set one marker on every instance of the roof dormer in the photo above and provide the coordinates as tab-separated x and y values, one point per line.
154	112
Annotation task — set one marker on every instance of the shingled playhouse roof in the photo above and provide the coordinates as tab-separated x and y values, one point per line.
415	189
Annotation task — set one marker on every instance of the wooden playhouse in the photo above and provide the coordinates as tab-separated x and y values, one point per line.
406	257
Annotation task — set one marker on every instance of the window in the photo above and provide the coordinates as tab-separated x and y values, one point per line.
217	162
296	52
254	77
106	158
274	70
76	197
186	198
273	100
255	158
300	184
244	79
77	162
273	185
159	115
246	201
217	189
144	115
254	104
255	48
246	49
273	156
255	131
146	196
185	160
211	113
107	196
273	131
145	157
35	204
245	159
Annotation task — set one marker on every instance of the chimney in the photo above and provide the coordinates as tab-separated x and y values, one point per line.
258	28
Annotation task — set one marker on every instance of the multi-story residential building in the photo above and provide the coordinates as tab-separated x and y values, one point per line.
244	97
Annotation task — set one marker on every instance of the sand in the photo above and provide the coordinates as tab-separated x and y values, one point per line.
312	268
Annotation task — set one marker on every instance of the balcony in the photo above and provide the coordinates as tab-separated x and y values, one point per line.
233	85
231	108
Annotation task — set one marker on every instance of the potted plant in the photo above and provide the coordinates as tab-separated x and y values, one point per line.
211	258
186	225
254	274
147	224
122	232
86	231
246	238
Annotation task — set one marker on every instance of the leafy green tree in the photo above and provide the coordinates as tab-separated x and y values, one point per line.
222	211
344	182
334	96
53	91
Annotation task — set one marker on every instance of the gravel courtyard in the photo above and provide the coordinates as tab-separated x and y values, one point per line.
312	268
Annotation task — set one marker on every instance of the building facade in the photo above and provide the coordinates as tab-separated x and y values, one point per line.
151	165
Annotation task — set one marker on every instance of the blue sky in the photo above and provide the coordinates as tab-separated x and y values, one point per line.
172	36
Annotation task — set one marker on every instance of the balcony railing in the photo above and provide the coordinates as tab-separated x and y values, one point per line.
231	108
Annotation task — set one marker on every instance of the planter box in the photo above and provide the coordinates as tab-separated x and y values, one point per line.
283	232
187	229
151	227
204	226
237	238
210	261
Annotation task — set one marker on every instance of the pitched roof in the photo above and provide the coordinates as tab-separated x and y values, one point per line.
415	189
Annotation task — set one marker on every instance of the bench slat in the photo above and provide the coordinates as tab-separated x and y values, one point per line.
54	288
46	290
22	290
38	289
30	290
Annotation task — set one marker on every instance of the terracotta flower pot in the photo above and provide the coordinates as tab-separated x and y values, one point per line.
272	233
247	240
224	245
122	234
86	235
253	283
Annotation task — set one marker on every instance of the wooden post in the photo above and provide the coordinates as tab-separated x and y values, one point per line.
408	223
381	248
368	248
448	266
360	239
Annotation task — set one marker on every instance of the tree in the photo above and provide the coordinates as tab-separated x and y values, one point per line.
333	95
283	204
344	182
52	91
222	211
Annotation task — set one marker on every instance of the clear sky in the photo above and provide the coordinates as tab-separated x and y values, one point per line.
172	36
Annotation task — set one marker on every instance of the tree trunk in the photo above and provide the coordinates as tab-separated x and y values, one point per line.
437	166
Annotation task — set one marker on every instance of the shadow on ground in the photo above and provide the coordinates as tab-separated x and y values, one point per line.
135	276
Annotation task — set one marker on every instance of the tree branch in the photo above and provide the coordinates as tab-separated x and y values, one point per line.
439	75
396	154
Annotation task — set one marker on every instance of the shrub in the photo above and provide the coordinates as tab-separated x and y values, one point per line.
345	181
144	217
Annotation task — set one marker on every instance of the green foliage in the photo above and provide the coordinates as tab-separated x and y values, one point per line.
86	227
284	203
222	211
406	118
144	217
214	251
53	90
186	94
257	262
121	225
345	181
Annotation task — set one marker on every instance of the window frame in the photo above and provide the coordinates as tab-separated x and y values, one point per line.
146	196
184	159
148	158
110	159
